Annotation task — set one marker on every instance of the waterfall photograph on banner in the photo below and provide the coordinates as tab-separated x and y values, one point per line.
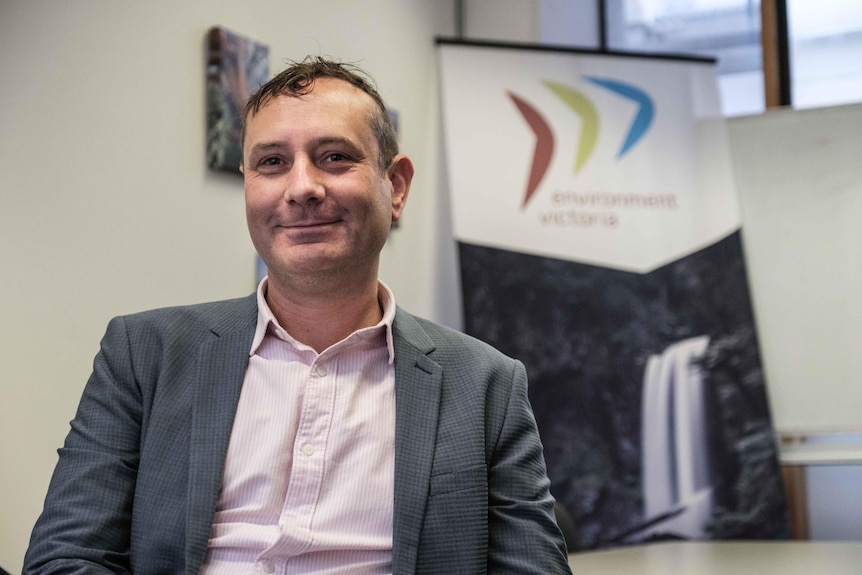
648	391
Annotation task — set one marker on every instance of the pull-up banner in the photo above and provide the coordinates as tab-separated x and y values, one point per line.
599	236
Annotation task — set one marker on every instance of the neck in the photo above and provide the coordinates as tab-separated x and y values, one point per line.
321	317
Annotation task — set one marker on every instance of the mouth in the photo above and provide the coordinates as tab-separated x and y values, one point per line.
305	231
306	224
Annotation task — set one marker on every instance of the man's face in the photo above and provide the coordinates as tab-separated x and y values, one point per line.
316	198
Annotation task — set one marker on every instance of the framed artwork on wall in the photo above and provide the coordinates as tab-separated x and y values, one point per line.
236	67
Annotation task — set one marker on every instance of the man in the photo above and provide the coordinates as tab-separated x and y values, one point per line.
313	426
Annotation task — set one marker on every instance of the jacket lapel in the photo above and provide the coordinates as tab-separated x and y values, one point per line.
417	400
222	361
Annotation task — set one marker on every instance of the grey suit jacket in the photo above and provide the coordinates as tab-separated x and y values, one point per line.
138	477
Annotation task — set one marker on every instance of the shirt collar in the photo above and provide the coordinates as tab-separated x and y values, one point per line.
266	319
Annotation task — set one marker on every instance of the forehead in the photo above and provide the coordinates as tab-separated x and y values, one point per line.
331	103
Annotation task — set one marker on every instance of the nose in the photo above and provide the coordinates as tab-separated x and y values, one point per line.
303	184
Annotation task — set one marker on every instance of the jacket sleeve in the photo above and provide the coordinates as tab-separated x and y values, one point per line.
523	534
86	521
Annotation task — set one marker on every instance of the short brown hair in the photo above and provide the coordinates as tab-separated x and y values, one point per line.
298	79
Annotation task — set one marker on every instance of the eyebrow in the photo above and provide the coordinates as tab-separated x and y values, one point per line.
264	147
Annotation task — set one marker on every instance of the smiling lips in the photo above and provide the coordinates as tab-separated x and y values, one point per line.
310	223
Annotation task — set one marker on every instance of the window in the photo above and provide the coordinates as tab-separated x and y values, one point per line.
817	57
825	52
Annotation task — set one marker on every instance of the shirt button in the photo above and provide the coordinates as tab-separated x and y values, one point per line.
319	371
268	567
307	449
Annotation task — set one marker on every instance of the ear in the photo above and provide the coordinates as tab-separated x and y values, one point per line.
400	175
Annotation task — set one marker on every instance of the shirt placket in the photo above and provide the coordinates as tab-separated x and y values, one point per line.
307	469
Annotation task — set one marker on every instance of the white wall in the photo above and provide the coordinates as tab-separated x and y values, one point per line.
559	22
502	20
107	204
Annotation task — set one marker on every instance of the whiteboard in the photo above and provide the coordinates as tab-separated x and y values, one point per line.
799	176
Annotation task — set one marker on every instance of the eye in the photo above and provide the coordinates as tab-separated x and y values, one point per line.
270	165
336	157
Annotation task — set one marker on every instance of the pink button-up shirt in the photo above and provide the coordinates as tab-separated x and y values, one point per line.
309	478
